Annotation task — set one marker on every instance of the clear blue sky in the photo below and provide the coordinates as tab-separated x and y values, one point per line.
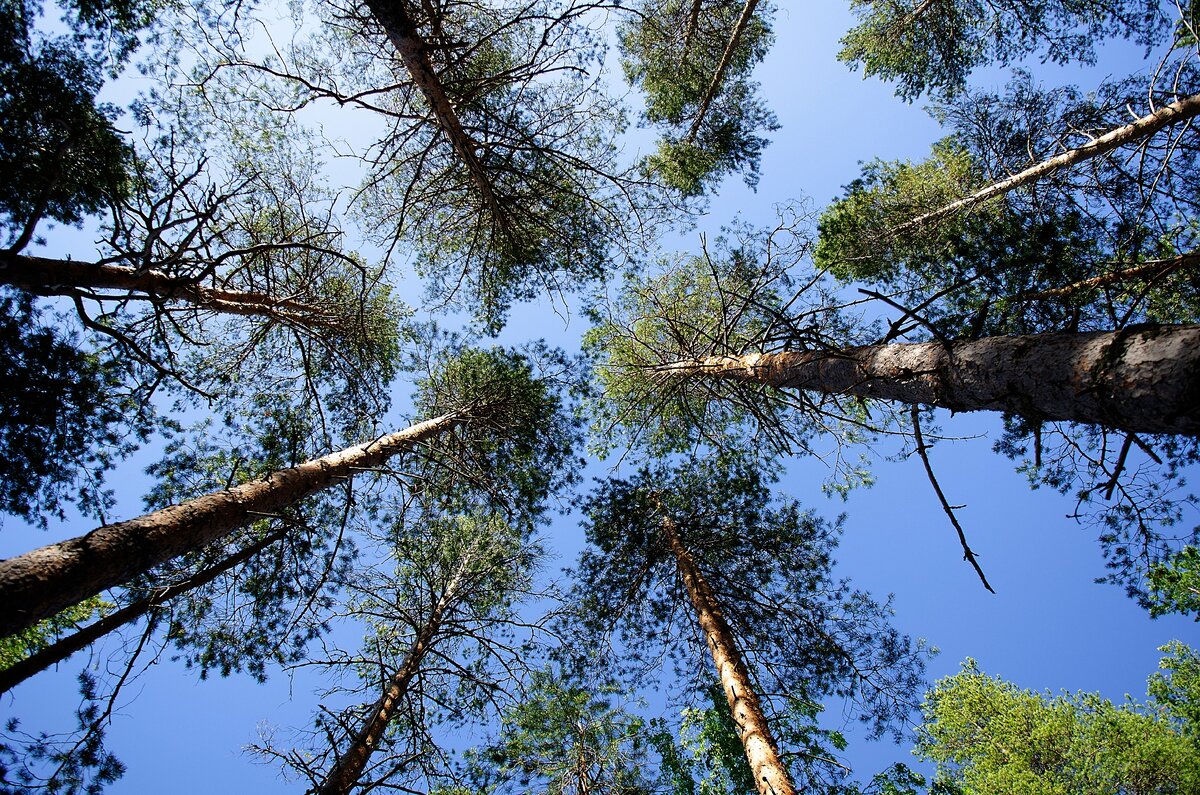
1047	627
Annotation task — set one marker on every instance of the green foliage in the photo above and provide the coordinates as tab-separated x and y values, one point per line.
1175	691
64	418
934	45
563	737
520	447
673	57
1175	584
15	648
61	156
988	736
769	565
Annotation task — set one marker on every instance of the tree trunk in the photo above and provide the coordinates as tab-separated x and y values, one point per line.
1178	111
40	583
1145	379
1155	269
64	647
722	67
44	276
393	17
770	775
349	767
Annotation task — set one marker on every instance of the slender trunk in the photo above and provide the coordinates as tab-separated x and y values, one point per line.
40	583
722	67
690	30
349	767
770	775
393	17
1155	269
64	647
1145	379
1178	111
44	276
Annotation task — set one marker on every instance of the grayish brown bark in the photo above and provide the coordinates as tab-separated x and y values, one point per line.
1144	379
349	767
770	774
45	276
40	583
64	647
394	18
1178	111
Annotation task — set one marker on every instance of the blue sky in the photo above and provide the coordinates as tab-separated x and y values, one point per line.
1047	627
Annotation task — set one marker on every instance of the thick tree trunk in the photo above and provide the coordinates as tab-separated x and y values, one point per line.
393	17
770	775
64	647
349	767
44	276
1142	379
722	67
40	583
1178	111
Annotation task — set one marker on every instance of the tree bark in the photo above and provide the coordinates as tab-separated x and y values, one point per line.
64	647
393	17
349	767
770	774
1155	269
45	276
722	67
40	583
1145	379
1178	111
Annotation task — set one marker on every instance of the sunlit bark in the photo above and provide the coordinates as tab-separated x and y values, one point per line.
42	582
770	774
1143	379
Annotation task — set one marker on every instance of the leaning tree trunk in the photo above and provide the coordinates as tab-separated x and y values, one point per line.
45	276
770	775
64	647
43	582
349	767
394	18
1145	379
1178	111
719	76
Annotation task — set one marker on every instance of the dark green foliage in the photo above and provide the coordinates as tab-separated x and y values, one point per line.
1175	584
566	737
521	447
59	152
674	57
934	45
78	764
65	418
805	636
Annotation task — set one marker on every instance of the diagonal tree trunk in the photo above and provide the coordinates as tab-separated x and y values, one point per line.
64	647
394	18
770	774
722	67
44	276
40	583
1179	111
349	767
1145	379
1155	269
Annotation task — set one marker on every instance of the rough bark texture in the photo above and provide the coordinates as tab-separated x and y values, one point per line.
40	583
45	276
1178	111
393	17
1143	379
64	647
349	767
770	775
722	67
